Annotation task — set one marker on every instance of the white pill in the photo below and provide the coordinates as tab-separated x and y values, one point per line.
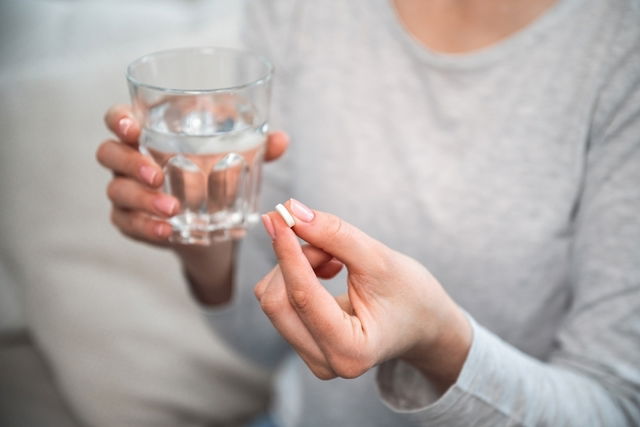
284	213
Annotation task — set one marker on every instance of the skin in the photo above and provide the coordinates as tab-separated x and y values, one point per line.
460	26
387	291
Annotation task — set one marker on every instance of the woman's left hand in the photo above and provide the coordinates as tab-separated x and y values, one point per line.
393	308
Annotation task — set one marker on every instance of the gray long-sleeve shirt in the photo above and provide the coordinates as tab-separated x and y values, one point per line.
512	173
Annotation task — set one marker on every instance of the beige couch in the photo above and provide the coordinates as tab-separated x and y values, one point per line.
95	329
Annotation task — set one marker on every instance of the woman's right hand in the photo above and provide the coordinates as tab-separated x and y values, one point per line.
139	207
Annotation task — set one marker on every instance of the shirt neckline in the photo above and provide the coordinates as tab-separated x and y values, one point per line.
484	56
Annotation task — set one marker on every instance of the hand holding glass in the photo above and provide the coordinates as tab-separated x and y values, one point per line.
204	115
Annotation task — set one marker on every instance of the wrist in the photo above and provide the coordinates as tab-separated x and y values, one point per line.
208	270
441	356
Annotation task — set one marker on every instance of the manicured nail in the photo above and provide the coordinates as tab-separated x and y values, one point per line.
300	211
162	230
286	216
166	205
125	124
268	225
148	174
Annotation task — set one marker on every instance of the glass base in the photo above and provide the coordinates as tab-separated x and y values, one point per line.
206	238
197	233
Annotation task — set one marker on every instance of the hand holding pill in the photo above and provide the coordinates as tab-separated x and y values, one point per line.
394	308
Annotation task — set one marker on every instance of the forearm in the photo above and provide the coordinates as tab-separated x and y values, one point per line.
209	270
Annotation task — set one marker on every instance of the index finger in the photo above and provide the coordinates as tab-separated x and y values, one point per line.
316	307
120	120
356	249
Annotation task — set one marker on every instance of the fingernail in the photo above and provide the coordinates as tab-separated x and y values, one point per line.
162	230
148	174
125	124
300	211
268	225
166	205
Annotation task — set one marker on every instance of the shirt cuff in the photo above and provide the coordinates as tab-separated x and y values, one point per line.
404	389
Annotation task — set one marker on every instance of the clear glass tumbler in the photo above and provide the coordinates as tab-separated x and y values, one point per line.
204	113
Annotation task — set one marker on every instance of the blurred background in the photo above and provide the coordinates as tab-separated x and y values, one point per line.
96	330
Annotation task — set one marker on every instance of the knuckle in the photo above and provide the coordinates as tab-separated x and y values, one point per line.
299	299
323	373
107	116
336	227
113	114
271	305
103	151
112	190
349	367
259	289
349	371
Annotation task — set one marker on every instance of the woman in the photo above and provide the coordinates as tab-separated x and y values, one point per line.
495	146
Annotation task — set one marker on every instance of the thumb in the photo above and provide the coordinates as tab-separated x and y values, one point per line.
335	236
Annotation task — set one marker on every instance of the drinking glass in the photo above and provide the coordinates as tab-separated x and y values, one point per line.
204	115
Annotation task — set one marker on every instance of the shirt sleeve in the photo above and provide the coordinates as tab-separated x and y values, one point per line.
592	378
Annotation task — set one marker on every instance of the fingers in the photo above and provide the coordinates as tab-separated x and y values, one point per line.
272	294
315	306
262	285
317	259
134	202
337	237
119	119
125	160
324	270
127	194
277	143
139	226
329	269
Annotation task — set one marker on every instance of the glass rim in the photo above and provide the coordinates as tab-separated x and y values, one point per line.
202	49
